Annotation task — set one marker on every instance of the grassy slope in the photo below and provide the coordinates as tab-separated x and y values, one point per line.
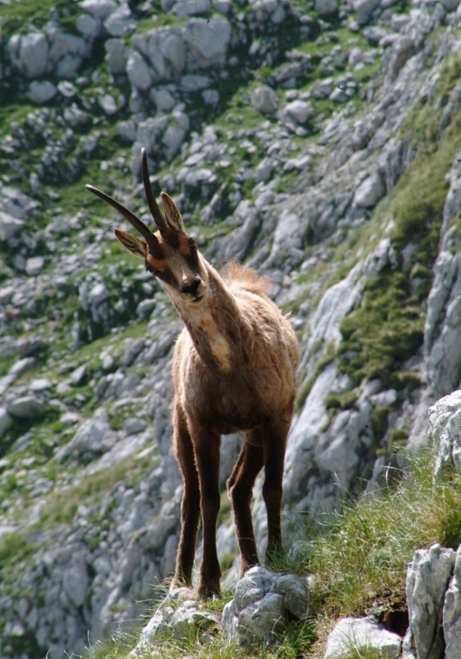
358	559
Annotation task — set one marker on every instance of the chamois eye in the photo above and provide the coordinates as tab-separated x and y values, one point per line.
192	244
152	270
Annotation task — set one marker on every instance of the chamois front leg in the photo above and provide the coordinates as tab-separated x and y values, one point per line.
190	503
240	488
206	446
274	443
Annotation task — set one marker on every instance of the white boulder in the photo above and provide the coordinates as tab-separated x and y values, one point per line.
207	41
299	110
326	8
138	72
34	265
263	602
29	53
98	8
445	432
452	612
357	633
185	8
428	575
41	92
9	225
117	53
25	407
370	191
264	100
120	22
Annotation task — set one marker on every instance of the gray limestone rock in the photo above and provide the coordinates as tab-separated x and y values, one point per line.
34	265
133	426
41	92
450	5
207	41
326	8
67	52
92	437
369	191
139	73
263	602
9	225
25	407
29	53
117	53
185	8
163	99
175	133
120	22
88	26
264	99
22	365
179	622
428	575
365	8
5	420
98	8
445	433
299	110
358	633
452	612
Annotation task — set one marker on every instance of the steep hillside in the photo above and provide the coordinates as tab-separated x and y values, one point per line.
319	144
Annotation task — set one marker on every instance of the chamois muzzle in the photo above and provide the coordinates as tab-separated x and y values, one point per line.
193	288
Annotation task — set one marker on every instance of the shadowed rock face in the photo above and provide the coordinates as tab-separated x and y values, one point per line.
289	145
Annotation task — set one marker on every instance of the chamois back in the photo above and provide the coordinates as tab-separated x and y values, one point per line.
234	274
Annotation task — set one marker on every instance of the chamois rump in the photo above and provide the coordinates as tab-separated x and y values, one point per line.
234	371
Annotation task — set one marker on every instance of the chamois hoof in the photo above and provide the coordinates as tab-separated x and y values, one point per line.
209	591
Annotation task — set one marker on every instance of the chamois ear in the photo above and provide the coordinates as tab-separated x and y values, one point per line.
172	214
132	244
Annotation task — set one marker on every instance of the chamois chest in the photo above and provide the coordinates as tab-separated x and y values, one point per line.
233	385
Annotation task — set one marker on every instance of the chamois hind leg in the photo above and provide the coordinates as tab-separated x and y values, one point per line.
240	487
206	447
274	443
190	503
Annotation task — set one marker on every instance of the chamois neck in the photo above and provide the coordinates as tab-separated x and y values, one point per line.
214	325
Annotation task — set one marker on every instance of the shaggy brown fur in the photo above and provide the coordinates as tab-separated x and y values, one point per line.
234	371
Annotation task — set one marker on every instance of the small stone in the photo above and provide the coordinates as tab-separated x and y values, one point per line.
138	71
264	100
40	384
369	191
34	265
326	8
120	21
299	110
78	376
25	407
98	8
133	426
41	92
22	365
108	104
9	225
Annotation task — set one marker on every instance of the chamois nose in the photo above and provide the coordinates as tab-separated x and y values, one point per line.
191	286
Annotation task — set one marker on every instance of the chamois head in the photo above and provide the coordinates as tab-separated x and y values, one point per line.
169	253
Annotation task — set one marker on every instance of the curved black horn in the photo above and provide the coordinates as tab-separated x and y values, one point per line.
127	214
153	206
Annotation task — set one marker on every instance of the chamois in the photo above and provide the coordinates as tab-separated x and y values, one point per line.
234	371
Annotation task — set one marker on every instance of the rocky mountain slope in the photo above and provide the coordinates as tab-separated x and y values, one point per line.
320	144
